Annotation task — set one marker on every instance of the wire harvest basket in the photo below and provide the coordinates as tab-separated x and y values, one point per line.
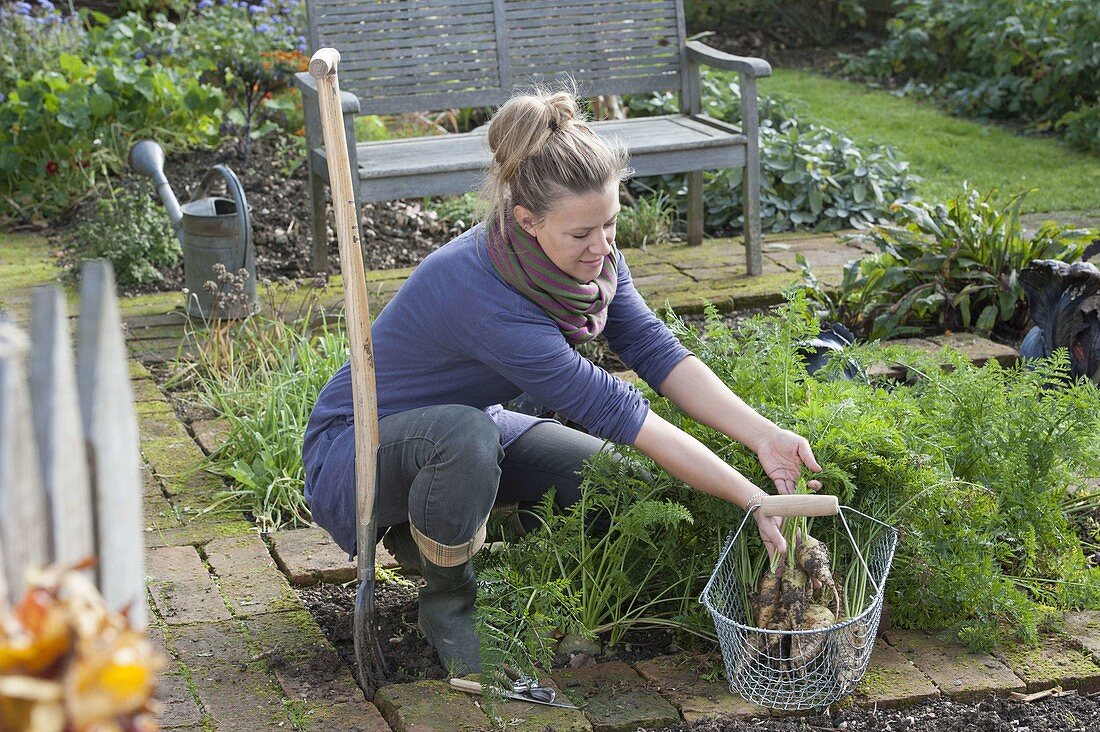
799	669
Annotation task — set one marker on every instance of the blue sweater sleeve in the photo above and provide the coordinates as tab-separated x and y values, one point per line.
537	359
638	337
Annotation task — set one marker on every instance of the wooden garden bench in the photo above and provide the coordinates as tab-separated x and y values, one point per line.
400	56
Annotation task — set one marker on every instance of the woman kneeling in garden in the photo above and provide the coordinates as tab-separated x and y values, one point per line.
498	312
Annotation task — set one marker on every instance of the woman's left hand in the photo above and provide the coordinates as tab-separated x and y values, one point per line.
782	454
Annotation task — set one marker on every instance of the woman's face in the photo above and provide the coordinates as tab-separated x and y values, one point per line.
578	232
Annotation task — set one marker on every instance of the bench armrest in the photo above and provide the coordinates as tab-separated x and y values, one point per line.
349	103
701	53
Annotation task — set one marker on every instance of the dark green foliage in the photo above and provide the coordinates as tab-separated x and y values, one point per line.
132	231
817	22
973	465
810	176
67	124
1003	59
952	266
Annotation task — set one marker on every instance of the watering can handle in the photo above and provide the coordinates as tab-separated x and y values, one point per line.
799	504
236	192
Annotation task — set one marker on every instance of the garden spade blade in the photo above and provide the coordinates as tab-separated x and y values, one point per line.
368	652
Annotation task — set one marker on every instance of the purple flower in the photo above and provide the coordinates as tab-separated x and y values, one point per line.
302	48
139	54
22	8
46	5
255	9
263	28
204	4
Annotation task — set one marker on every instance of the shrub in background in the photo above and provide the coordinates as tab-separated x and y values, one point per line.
32	37
252	50
1003	59
132	231
811	176
814	22
949	266
66	127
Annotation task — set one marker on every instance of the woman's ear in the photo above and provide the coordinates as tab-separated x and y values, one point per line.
526	220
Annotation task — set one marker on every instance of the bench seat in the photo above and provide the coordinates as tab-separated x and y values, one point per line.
450	164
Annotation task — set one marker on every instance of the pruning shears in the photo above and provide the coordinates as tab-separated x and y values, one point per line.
519	689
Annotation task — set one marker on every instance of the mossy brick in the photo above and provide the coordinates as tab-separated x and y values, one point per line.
234	687
158	513
195	535
1084	629
360	716
520	716
178	707
153	303
956	671
154	411
176	318
138	370
306	665
431	706
647	268
893	681
182	588
678	678
249	580
308	556
146	390
210	434
615	698
1053	662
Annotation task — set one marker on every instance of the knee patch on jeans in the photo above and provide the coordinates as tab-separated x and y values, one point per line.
443	555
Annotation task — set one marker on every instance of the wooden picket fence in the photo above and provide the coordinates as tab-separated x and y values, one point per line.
70	462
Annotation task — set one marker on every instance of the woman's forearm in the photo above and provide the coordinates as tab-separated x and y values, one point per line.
689	460
695	389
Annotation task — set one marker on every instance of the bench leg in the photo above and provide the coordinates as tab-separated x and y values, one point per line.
695	208
319	254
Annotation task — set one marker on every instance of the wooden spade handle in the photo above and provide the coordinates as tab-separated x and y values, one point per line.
800	504
470	687
356	310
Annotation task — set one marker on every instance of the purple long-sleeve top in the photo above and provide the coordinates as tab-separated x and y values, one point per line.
456	333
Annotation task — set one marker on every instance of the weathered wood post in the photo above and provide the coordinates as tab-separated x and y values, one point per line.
70	464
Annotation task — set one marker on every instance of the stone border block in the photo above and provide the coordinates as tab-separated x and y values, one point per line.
178	707
182	589
1084	629
308	556
679	679
892	681
615	698
305	663
248	577
958	672
430	706
1054	662
233	686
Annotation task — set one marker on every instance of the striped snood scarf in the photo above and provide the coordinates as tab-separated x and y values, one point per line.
578	308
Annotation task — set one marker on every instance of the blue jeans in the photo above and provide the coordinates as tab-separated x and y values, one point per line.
443	468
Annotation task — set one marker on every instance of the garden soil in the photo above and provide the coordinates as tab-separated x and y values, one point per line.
1071	713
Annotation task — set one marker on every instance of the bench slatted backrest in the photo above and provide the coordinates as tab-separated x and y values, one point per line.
410	55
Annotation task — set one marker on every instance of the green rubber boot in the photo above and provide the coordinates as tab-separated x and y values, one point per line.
399	542
447	615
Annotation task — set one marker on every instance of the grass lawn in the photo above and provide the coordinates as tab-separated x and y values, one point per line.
946	150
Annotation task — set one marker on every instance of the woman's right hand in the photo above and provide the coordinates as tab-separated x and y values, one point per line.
769	527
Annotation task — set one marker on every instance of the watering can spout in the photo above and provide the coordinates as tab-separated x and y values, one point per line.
147	158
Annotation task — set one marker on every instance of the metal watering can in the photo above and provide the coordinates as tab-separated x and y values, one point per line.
211	230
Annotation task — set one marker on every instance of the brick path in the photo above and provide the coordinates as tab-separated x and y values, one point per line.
244	654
